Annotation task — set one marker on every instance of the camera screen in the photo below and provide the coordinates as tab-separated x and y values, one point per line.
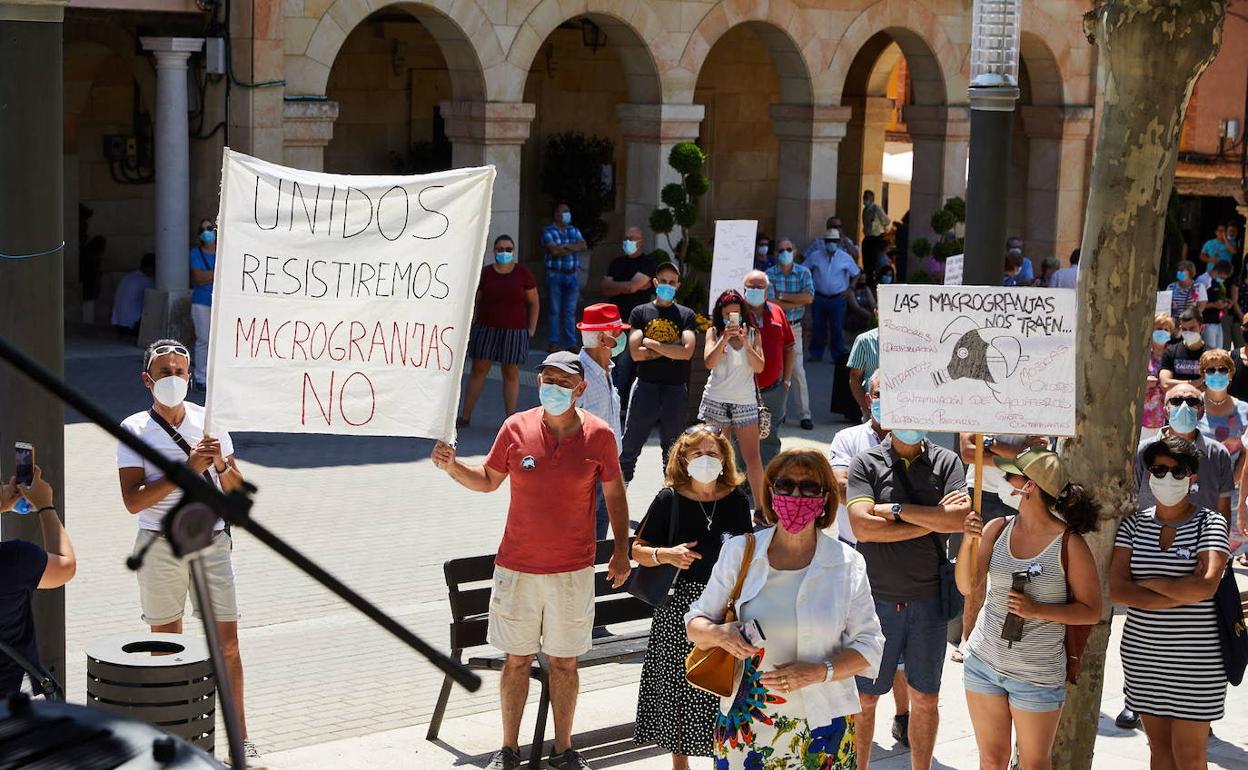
25	470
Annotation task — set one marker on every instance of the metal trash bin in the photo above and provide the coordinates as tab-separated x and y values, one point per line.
165	680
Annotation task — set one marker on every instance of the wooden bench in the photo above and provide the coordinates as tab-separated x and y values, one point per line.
469	582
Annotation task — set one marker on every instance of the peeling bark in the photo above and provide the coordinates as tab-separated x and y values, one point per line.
1154	51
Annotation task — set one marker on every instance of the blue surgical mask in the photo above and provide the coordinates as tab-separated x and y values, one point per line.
830	246
555	399
630	247
910	437
875	409
1217	381
755	297
785	256
1220	281
208	236
665	292
1182	418
886	279
566	217
1181	275
621	342
504	257
762	249
1161	336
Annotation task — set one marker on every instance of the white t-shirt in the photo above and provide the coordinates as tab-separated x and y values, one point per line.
1066	278
142	425
846	445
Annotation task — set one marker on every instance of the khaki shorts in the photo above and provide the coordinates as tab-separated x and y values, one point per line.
165	580
553	614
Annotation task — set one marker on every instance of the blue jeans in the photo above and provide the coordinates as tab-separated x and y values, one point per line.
978	676
827	313
563	291
601	520
914	631
625	372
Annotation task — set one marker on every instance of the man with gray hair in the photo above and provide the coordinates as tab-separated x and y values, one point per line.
779	354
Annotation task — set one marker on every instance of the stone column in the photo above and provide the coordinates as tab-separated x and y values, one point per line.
809	139
173	187
650	131
941	139
863	151
492	133
1057	175
31	272
307	127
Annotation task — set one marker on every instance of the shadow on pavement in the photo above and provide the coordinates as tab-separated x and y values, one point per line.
608	747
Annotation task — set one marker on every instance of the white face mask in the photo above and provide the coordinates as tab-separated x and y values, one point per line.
1169	490
1191	338
1010	497
705	468
170	391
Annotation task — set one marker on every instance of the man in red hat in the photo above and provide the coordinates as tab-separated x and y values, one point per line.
603	336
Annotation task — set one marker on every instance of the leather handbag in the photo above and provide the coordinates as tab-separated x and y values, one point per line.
1076	636
653	585
715	670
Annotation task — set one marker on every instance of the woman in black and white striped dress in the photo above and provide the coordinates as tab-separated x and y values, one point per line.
1166	567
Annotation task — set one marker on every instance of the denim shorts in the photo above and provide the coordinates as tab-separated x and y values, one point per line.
981	678
915	632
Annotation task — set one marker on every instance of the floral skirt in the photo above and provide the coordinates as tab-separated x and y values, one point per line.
763	732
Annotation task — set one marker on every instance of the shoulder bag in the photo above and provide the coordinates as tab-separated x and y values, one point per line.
1228	612
714	670
40	680
1076	636
184	446
653	585
951	599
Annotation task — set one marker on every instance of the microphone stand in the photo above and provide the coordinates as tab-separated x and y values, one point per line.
189	529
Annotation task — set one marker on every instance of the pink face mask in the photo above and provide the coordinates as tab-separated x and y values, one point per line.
794	512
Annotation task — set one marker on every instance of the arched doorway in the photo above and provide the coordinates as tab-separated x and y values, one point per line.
750	72
389	79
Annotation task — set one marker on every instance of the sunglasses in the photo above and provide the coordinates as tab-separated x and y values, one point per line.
1191	401
1160	471
1218	369
806	488
711	429
165	350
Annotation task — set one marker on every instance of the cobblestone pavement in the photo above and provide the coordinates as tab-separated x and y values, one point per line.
374	511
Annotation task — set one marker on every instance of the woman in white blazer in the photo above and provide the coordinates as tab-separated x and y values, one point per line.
808	593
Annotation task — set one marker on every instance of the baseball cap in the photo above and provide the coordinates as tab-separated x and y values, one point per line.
568	362
1041	466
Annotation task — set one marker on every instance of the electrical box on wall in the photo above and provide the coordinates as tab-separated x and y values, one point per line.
214	56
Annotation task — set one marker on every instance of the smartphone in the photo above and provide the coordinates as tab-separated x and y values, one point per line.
734	319
753	633
24	470
25	463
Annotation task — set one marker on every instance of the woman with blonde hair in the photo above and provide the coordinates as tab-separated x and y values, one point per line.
1153	418
808	594
700	507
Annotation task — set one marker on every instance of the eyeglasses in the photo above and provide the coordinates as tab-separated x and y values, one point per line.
165	350
1218	369
805	488
1192	401
711	429
1160	471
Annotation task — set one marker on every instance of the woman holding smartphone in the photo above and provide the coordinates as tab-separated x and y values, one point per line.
1020	682
734	354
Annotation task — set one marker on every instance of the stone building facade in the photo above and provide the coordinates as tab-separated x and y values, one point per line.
792	99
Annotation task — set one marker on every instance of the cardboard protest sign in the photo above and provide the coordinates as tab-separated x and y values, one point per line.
953	270
734	256
978	359
342	304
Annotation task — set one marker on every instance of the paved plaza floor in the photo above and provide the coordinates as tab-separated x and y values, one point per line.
326	688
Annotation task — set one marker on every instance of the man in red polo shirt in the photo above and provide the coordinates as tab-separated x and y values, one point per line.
778	353
543	595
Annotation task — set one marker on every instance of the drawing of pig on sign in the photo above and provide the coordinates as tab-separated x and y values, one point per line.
977	359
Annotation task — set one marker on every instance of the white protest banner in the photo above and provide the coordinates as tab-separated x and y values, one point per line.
734	256
953	270
342	304
1164	300
978	359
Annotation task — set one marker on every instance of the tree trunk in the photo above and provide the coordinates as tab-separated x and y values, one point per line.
1153	51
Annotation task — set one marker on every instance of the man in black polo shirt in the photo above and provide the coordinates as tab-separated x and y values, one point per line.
1180	361
629	282
905	496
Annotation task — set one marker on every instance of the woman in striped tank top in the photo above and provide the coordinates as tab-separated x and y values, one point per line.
1167	563
1019	683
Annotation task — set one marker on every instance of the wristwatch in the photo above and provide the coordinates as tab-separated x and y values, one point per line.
896	509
